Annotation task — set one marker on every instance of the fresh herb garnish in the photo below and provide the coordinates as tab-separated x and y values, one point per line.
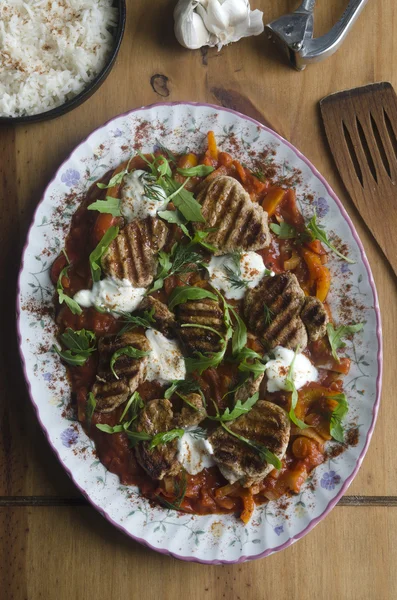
174	216
109	429
198	433
110	206
181	294
137	436
166	151
180	487
166	436
182	259
338	414
284	231
80	344
132	321
100	250
241	408
233	274
116	179
256	367
264	453
132	408
62	297
182	386
335	336
126	351
198	171
318	233
90	409
290	387
202	362
269	314
239	337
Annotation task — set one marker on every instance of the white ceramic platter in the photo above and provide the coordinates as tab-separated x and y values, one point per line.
218	538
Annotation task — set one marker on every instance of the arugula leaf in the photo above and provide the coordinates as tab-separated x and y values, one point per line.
198	171
79	344
108	429
284	231
318	233
183	293
100	250
239	337
256	368
63	298
134	405
116	179
203	362
184	386
182	259
90	409
241	408
338	414
184	200
110	206
132	321
335	336
174	216
264	453
199	238
127	351
166	436
137	436
290	387
80	340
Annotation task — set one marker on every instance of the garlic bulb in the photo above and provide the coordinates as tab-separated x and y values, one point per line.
215	22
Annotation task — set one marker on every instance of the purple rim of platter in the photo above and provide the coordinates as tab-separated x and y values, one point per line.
375	409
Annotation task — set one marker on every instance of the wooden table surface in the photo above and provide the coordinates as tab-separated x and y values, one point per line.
52	544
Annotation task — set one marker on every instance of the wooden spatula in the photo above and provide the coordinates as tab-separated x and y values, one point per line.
361	127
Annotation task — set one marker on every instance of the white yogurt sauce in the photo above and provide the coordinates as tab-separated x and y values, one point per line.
134	203
112	295
194	453
251	267
277	370
166	361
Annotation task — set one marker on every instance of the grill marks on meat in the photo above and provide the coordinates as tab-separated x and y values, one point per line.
201	312
249	388
294	318
110	392
189	417
156	417
315	318
164	319
267	424
240	223
132	255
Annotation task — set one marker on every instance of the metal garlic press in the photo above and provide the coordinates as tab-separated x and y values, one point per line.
294	32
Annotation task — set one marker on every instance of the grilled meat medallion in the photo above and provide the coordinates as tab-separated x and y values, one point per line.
164	319
109	391
315	318
275	310
156	417
267	424
189	416
240	223
132	255
201	312
249	388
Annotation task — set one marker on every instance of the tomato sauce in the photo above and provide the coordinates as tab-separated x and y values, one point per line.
208	491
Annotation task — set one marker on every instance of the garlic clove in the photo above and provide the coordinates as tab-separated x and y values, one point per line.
215	22
189	27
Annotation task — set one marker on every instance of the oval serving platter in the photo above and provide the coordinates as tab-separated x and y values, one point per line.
212	539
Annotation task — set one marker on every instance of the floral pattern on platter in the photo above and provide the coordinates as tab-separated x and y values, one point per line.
213	538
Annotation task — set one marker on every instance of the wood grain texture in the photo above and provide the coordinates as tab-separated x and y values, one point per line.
361	128
73	553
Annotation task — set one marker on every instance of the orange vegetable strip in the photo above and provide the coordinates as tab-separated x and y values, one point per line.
272	200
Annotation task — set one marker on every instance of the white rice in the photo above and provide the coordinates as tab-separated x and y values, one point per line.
50	51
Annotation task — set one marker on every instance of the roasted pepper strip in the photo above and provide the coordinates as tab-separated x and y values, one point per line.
272	200
319	274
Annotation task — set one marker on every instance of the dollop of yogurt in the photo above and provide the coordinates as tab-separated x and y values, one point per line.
277	370
166	361
111	294
140	197
250	269
194	453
